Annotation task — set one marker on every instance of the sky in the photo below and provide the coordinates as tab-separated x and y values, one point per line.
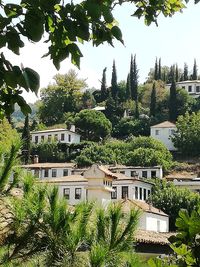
175	40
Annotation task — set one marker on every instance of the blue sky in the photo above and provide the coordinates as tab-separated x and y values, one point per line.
175	40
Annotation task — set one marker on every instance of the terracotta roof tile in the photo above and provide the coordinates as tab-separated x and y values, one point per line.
164	124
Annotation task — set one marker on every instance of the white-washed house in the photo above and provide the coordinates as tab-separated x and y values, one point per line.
61	135
101	185
164	132
191	86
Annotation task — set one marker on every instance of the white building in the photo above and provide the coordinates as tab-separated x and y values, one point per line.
101	185
192	87
141	172
151	218
60	135
50	170
163	132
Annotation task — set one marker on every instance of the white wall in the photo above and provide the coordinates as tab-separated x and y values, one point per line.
72	186
75	138
139	171
164	135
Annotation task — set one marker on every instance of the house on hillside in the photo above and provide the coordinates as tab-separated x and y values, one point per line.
61	135
50	170
103	186
164	132
141	172
192	87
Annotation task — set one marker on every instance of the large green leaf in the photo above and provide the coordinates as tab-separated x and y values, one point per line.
32	79
34	25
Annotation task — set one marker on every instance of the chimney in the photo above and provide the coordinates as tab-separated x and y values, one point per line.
72	128
35	159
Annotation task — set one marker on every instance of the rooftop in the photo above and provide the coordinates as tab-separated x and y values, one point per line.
53	130
150	237
70	178
49	165
128	204
164	124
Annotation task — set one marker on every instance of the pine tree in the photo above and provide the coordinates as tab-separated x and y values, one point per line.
103	86
159	70
153	101
26	137
173	102
185	72
194	74
156	71
114	86
134	79
128	90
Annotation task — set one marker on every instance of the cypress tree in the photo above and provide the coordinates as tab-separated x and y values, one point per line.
156	71
128	90
153	101
133	79
194	74
176	73
173	102
185	72
171	74
159	70
26	137
103	86
114	86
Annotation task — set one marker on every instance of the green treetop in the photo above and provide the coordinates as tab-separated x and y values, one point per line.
114	86
153	101
194	74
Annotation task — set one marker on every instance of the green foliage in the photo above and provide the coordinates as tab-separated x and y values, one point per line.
187	136
139	151
26	137
129	126
8	137
92	125
173	102
171	200
65	95
153	101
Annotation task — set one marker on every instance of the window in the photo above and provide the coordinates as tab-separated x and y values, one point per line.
65	172
172	131
66	193
49	138
149	192
197	88
190	88
36	173
140	193
133	173
157	132
153	174
54	172
183	87
145	194
136	192
144	174
42	137
56	137
36	139
122	172
124	192
77	193
114	194
69	138
46	172
62	137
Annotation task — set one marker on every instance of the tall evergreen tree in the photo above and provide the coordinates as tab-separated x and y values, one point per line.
156	71
159	70
128	90
185	72
194	74
103	86
171	74
114	86
134	79
153	101
26	137
173	113
176	73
